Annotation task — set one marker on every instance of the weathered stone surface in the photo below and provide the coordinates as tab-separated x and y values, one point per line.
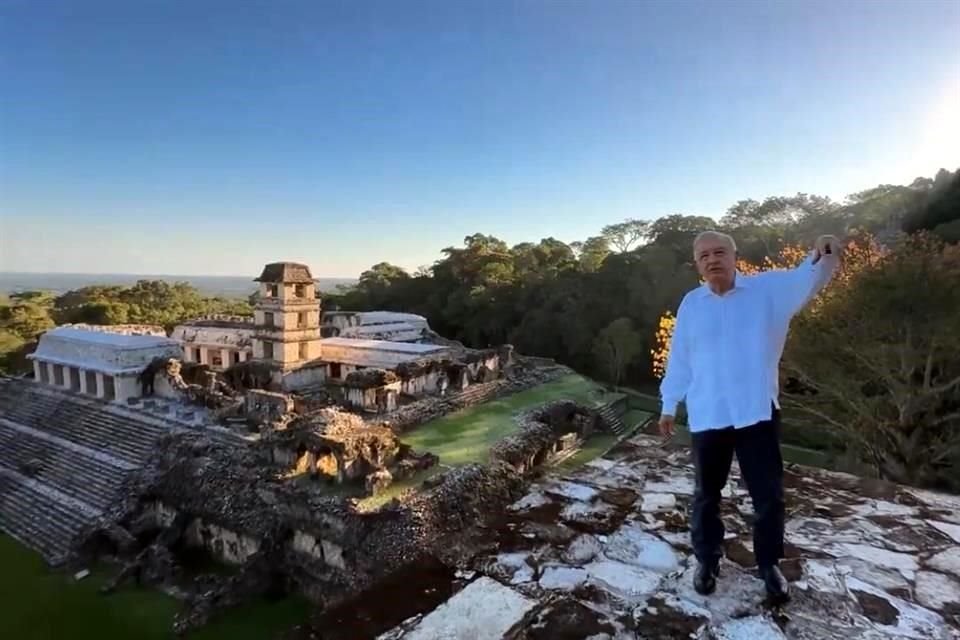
863	565
582	550
947	561
633	545
752	628
484	610
937	590
562	578
623	580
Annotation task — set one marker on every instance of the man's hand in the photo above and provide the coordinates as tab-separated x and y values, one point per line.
667	425
825	246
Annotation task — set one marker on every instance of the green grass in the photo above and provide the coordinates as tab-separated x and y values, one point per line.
39	604
595	446
466	436
371	503
634	417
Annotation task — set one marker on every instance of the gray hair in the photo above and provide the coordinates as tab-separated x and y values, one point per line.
716	235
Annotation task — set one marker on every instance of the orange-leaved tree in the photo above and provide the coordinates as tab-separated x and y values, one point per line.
878	361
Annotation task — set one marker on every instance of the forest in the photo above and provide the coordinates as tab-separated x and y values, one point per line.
875	361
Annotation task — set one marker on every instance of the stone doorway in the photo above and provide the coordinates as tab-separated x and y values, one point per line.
91	377
109	388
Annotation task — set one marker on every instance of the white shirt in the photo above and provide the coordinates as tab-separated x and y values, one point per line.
725	351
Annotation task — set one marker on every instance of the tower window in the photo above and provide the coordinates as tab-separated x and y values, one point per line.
301	320
300	290
268	318
268	350
304	350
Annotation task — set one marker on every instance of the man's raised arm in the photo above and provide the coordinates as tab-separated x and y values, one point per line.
796	287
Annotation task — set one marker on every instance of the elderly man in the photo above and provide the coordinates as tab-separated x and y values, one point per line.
724	361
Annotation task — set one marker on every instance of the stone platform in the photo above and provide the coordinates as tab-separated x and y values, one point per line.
604	553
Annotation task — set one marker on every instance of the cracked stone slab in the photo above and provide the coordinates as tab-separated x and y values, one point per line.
937	590
530	501
659	502
571	490
947	561
582	550
750	628
632	545
623	580
910	620
562	578
951	530
483	610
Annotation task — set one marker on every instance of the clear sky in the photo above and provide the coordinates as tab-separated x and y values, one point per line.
210	137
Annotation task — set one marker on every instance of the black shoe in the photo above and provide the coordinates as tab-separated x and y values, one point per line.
705	579
778	589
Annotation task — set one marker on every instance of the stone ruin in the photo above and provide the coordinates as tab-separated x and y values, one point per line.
340	448
194	384
546	434
250	505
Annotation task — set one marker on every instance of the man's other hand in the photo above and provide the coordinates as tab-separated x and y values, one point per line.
667	425
826	245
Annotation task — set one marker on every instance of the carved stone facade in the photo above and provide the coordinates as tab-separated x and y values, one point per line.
218	341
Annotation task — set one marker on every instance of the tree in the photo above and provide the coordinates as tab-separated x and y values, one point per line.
880	363
624	235
381	275
678	231
593	252
616	347
941	212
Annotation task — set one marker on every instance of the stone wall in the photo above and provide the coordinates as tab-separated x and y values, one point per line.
416	413
303	378
267	406
545	434
223	544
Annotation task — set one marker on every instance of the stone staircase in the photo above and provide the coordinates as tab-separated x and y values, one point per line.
63	461
611	418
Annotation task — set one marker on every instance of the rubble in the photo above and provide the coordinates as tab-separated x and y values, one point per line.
859	573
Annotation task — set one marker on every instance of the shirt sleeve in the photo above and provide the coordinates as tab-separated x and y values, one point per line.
678	375
794	288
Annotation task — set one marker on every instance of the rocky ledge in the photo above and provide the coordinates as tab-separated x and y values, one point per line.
603	553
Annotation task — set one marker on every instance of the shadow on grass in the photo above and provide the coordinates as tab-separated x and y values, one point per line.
39	604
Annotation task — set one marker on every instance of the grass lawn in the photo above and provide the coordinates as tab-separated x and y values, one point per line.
466	436
372	503
39	604
595	447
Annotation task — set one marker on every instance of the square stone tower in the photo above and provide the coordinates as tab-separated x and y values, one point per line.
287	317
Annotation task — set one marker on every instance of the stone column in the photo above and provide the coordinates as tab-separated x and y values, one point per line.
101	387
67	377
204	358
225	356
51	378
38	367
83	381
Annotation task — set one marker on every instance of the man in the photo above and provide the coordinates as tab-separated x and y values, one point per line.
724	361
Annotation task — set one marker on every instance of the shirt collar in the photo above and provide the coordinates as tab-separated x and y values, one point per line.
740	281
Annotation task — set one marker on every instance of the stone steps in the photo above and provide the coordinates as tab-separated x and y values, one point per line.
82	477
71	419
37	519
612	419
63	461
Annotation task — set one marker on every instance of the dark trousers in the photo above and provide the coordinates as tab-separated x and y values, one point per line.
758	452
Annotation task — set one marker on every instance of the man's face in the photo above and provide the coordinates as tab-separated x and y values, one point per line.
716	261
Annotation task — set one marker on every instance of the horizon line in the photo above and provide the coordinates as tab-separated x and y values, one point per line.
158	275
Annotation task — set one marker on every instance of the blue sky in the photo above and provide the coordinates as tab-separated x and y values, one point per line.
210	137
